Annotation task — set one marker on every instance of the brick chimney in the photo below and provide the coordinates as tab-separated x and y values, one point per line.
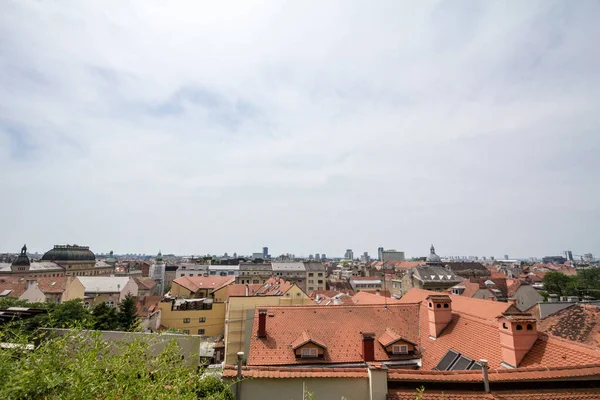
262	323
368	346
439	308
518	333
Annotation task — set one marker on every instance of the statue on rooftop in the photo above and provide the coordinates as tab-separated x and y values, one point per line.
24	249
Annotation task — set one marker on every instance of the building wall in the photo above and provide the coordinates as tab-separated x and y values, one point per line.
392	256
174	319
97	298
293	389
74	290
180	292
33	294
527	297
240	318
312	282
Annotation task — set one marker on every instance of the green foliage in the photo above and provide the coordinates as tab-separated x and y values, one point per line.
81	365
127	315
105	317
559	283
68	314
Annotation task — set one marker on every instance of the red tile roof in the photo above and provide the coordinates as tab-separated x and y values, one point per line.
230	371
16	286
339	328
52	285
389	337
306	337
538	394
145	283
579	323
195	283
238	289
372	298
485	309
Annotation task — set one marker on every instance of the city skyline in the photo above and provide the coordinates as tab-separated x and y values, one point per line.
309	127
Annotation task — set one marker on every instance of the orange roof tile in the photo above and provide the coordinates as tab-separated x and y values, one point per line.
339	328
16	286
306	337
579	323
485	309
195	283
294	372
372	298
538	394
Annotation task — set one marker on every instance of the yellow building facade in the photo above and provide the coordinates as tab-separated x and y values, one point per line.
205	322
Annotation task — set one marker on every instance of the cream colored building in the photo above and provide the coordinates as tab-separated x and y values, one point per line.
53	290
108	289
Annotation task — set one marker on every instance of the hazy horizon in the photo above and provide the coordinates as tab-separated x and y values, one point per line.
307	127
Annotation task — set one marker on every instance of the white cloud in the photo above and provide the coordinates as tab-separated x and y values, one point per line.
307	126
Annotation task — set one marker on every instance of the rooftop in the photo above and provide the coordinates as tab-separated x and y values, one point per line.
103	284
195	283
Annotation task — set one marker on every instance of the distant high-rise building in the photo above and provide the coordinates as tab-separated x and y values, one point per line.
349	254
317	256
310	256
392	255
265	252
380	254
323	256
588	257
492	258
484	258
234	255
506	256
569	254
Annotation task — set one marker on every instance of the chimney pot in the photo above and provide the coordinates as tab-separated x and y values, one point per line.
518	333
440	313
262	323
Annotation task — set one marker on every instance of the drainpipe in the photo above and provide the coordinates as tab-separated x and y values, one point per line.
238	385
484	371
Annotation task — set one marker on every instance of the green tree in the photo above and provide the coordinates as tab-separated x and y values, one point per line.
82	365
105	317
560	284
127	315
68	314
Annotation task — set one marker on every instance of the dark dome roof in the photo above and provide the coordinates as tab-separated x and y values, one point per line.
22	259
433	258
69	253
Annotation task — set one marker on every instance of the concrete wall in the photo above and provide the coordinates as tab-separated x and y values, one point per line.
292	389
190	345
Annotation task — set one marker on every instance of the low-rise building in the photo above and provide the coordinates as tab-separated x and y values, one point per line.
457	347
366	283
315	276
254	273
53	290
198	316
191	269
108	289
292	271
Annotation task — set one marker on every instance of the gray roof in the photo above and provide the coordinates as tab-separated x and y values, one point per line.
314	266
35	266
288	266
434	273
103	284
255	267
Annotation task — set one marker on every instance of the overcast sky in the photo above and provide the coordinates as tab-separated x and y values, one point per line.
305	126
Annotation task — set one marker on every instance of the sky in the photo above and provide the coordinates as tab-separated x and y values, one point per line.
305	126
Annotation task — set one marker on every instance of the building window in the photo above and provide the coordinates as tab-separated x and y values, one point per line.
110	303
311	281
186	320
298	294
320	280
320	274
86	304
311	274
310	352
399	349
310	289
186	331
200	331
202	319
182	274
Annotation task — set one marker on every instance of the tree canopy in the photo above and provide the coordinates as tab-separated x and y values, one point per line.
81	365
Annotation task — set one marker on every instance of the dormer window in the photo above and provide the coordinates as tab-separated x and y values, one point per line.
309	352
400	349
